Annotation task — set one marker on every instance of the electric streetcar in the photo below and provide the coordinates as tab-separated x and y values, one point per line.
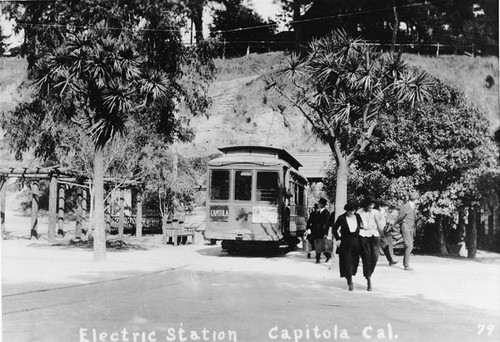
255	195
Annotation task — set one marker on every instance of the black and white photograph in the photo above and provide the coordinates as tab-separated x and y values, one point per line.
249	170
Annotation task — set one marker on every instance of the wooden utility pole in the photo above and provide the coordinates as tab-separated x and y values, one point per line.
395	28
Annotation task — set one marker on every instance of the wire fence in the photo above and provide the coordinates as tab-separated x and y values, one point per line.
242	48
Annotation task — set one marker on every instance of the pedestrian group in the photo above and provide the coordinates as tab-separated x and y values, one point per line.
360	233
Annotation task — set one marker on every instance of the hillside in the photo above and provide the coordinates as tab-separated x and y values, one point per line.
243	112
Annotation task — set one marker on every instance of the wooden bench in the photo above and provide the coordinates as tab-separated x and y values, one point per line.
177	233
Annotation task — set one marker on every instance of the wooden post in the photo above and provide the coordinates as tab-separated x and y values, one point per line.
138	218
437	49
107	215
3	196
79	214
121	217
85	223
51	232
60	206
35	186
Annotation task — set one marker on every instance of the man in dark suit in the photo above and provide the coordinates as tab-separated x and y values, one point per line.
319	229
407	217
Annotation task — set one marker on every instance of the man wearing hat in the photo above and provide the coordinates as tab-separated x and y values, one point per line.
407	217
319	229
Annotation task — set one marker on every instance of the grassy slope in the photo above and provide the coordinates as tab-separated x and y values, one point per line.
467	74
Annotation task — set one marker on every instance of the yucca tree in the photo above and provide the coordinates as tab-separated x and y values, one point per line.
341	86
97	80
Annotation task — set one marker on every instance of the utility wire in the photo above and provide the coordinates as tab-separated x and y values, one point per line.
223	31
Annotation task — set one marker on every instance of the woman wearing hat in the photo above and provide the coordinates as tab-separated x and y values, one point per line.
348	225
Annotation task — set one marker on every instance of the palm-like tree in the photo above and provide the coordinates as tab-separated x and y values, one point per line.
98	80
341	86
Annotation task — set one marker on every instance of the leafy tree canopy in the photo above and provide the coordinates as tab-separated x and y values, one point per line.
450	22
234	16
443	148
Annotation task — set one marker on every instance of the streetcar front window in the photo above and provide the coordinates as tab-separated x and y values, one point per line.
267	186
243	186
219	185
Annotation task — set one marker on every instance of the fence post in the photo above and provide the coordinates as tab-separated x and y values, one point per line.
437	49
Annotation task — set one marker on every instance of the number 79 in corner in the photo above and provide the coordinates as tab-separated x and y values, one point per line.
485	329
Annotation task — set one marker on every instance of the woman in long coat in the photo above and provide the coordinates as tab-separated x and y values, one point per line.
349	225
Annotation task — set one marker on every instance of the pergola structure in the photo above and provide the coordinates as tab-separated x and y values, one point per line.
59	179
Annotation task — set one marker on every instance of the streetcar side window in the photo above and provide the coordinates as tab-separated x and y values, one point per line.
219	185
243	185
267	186
301	195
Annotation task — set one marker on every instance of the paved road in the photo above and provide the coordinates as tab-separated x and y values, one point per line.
182	304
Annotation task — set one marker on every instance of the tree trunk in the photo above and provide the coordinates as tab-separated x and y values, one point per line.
198	24
440	235
472	234
341	185
461	222
99	224
34	209
138	219
51	233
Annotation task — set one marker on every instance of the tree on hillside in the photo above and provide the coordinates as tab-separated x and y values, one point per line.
454	23
228	23
195	10
342	87
442	148
102	65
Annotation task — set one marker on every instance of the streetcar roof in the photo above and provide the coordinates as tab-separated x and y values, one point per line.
257	155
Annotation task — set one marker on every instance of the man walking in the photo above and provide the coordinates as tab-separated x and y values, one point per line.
407	217
386	233
319	230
